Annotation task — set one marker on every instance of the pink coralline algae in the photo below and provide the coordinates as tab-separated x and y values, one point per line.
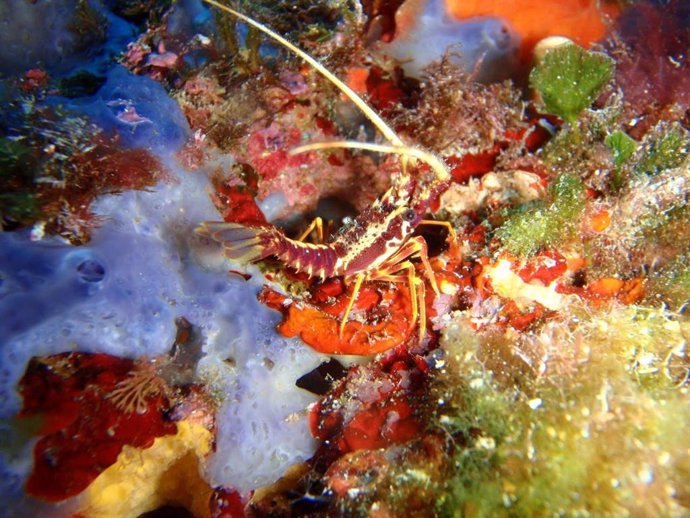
651	45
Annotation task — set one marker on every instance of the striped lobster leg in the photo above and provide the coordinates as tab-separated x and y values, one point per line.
398	268
316	224
406	272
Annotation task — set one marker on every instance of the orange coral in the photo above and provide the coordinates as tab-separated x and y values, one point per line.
627	292
386	311
606	287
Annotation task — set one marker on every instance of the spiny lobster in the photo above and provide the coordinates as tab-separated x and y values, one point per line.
378	244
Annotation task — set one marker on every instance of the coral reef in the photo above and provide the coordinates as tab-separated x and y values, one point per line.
83	429
534	364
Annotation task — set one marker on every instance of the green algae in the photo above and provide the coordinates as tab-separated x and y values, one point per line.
666	147
89	25
540	225
667	226
19	207
670	285
299	21
17	201
595	425
569	193
570	78
662	214
478	416
649	231
621	145
246	56
12	153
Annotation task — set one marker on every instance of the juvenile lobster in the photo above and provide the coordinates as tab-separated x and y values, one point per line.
378	244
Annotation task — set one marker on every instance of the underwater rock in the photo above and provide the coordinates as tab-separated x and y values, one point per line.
38	34
487	47
549	389
189	17
58	35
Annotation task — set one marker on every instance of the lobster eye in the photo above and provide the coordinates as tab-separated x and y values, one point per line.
409	215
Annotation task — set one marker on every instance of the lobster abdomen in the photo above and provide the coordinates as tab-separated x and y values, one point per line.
320	260
248	244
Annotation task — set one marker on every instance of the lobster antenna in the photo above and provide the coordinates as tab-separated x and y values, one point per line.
366	109
433	161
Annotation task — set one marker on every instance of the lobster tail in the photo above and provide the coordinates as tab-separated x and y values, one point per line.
240	242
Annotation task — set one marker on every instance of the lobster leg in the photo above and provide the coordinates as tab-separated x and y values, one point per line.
452	235
421	303
417	293
391	270
414	247
353	298
317	224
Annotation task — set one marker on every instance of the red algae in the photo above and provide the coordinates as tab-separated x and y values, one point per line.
226	503
375	482
650	43
374	406
472	165
34	80
236	201
545	268
522	320
385	89
381	23
66	164
104	169
83	431
268	150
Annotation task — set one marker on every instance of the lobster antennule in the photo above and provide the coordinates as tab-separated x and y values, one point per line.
240	242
